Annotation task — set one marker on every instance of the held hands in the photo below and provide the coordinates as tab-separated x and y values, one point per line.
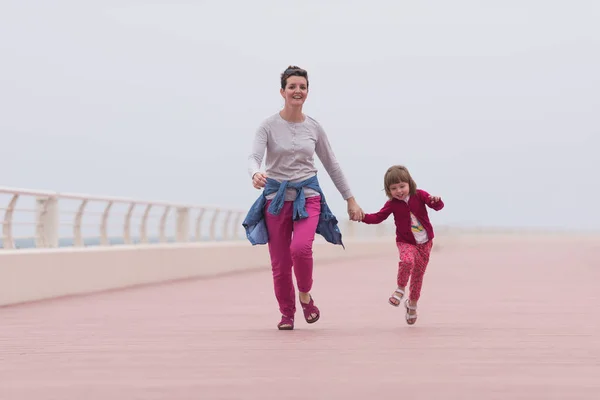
354	211
259	180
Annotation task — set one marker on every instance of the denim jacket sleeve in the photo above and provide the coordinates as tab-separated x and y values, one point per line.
328	225
254	224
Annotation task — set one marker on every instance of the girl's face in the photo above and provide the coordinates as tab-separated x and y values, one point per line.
400	190
295	92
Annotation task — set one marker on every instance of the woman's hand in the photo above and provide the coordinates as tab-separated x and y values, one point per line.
259	180
354	211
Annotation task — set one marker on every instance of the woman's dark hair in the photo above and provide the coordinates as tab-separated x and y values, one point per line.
293	70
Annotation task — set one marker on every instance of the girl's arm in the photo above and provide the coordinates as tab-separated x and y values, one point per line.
379	216
433	202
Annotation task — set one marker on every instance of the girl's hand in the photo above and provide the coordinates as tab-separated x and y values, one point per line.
435	199
259	180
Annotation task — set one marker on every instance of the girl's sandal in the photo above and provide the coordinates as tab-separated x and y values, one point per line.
286	324
410	318
395	297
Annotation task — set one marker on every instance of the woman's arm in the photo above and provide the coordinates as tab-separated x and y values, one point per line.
327	157
259	145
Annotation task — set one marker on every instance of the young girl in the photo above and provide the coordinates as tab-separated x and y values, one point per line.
414	233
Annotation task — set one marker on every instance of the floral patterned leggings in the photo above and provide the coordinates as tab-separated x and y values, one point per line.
413	263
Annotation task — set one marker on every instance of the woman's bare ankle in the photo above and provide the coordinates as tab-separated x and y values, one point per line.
305	297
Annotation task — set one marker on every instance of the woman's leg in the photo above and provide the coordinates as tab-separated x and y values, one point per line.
302	252
280	236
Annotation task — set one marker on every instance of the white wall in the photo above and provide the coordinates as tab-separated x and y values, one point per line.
35	274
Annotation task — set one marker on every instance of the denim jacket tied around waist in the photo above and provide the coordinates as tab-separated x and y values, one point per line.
255	225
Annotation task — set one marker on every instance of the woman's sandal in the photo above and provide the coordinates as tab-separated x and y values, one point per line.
395	297
286	324
308	309
410	318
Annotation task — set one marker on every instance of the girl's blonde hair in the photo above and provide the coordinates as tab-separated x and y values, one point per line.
396	174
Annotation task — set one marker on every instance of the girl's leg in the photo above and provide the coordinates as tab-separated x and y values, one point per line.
421	260
302	252
416	280
280	237
406	252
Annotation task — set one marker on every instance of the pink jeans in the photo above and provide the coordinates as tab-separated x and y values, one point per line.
286	250
413	263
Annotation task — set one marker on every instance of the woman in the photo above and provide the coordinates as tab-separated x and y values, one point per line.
292	200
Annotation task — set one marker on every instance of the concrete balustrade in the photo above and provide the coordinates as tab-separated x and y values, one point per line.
28	275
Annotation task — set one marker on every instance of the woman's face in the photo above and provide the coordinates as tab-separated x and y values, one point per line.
295	92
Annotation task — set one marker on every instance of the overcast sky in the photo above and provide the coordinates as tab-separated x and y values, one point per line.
493	105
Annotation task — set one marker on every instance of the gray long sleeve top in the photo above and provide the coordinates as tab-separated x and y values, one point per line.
290	149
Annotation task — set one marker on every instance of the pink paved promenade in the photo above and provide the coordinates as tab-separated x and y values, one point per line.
503	320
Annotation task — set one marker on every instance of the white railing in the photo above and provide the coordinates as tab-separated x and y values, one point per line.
44	219
34	218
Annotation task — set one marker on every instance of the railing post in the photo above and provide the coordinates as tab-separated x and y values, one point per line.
7	234
47	222
163	225
78	236
213	223
104	225
144	225
183	224
198	236
127	224
237	225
